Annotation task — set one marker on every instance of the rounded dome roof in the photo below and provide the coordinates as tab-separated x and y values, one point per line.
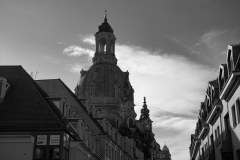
105	80
105	27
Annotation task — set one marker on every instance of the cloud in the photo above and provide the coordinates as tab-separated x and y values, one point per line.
210	38
89	39
75	51
168	115
211	46
173	84
76	67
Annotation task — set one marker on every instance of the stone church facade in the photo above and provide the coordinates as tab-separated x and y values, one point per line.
109	96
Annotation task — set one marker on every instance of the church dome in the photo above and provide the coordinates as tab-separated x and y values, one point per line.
105	26
105	80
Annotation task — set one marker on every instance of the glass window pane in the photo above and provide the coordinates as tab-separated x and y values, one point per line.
40	153
1	83
54	154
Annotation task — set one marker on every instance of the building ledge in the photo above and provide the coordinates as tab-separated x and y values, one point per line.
195	148
204	131
229	85
214	114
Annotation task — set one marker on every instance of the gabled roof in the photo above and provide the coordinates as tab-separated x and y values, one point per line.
26	107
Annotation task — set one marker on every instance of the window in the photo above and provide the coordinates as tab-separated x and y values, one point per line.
65	154
202	152
216	135
1	86
226	122
64	110
74	114
92	89
229	63
238	109
4	86
234	116
40	153
54	154
238	154
130	123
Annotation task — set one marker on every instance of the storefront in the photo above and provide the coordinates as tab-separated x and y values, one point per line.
51	146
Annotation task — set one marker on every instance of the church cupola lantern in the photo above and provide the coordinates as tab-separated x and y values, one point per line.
105	43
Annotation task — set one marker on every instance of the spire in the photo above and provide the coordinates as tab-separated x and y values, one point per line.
105	26
144	110
144	100
105	16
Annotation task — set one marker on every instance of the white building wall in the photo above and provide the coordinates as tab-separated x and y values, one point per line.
217	140
235	129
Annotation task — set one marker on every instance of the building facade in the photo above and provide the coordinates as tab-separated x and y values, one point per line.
217	135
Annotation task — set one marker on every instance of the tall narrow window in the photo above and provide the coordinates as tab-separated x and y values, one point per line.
238	110
218	133
216	136
64	110
234	116
229	63
104	48
227	125
1	86
238	154
4	85
202	152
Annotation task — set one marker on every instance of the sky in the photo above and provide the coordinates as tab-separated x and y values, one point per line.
171	48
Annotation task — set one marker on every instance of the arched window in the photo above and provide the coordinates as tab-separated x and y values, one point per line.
102	45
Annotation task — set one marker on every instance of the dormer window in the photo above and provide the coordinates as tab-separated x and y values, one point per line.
4	86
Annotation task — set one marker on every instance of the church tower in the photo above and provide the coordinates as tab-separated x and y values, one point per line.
105	44
105	88
109	97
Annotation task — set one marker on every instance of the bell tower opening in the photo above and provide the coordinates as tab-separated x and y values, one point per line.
102	47
105	44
